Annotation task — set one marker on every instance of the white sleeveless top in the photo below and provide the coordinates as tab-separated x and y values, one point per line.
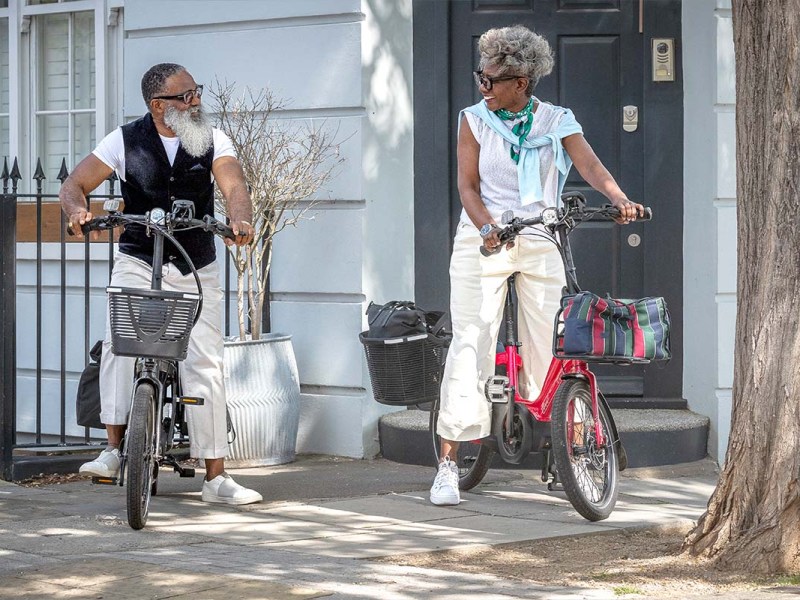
498	171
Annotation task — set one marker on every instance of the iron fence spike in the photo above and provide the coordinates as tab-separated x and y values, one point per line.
63	173
4	174
15	174
39	175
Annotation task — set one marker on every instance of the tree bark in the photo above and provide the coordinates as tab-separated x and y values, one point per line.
753	518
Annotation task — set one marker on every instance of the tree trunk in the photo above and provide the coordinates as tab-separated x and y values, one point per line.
753	518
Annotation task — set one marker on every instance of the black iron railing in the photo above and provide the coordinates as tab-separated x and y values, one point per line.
29	449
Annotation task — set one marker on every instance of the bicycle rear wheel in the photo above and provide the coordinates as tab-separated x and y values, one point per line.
473	458
588	470
141	454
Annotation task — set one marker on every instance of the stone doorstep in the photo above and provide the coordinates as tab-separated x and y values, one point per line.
651	437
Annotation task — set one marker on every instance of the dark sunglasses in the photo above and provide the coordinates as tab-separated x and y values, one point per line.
187	97
488	82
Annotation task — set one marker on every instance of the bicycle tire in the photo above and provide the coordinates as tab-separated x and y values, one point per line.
141	451
473	458
581	466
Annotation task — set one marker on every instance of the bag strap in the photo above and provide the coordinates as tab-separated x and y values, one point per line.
97	351
441	324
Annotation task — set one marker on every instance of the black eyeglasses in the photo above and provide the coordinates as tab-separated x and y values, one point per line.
488	82
187	96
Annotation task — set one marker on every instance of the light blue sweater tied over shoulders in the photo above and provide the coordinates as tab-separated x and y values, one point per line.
529	177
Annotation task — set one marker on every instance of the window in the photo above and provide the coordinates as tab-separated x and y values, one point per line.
60	72
65	114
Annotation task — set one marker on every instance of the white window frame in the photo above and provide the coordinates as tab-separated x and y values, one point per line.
108	34
5	13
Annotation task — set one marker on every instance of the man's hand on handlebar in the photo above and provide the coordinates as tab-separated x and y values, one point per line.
77	220
628	211
244	232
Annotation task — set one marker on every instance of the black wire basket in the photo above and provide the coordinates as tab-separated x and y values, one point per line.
406	370
151	323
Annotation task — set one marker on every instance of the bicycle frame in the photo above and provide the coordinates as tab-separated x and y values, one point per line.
559	369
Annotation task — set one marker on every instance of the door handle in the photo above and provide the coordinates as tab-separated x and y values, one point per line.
630	118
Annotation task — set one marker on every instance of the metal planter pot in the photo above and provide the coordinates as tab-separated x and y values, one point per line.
263	394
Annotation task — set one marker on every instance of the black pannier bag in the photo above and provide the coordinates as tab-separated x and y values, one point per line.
405	347
87	401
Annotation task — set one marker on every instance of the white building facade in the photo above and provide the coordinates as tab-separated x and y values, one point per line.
70	73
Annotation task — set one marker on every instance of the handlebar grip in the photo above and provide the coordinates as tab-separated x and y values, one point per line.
225	231
648	214
486	252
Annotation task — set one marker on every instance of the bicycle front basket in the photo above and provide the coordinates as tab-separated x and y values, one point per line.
151	323
406	370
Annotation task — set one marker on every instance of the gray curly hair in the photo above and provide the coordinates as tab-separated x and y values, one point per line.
516	50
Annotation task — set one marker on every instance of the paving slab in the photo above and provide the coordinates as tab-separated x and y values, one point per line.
322	521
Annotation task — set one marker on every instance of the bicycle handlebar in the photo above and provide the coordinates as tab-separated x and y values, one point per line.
564	218
114	220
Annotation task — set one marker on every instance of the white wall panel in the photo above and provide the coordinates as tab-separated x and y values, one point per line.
720	430
320	256
51	406
139	14
726	154
726	64
328	76
726	248
330	424
726	338
325	340
51	329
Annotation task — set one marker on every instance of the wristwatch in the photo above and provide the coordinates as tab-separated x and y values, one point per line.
487	229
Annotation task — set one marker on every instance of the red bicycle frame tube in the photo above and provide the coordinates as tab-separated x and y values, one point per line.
559	370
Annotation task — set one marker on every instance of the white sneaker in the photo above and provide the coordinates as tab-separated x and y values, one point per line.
224	490
105	465
444	491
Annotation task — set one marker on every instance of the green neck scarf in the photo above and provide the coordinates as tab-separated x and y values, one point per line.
521	129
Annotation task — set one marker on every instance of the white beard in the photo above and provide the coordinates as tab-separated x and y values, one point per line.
193	128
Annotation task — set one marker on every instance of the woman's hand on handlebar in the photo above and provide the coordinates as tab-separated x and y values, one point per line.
243	232
77	220
492	241
628	211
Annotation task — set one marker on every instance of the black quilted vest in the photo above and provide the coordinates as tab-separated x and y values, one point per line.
151	182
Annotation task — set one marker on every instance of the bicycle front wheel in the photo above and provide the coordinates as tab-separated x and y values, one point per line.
473	458
141	448
588	470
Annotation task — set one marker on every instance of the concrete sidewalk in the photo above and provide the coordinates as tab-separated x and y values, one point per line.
321	521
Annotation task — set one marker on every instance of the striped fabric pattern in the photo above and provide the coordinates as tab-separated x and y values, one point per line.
595	326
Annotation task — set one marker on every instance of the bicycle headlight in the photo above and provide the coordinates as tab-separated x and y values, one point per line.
158	216
549	216
111	205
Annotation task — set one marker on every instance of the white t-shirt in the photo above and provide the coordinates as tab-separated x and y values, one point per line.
111	149
498	172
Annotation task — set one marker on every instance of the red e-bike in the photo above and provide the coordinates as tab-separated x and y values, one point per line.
570	422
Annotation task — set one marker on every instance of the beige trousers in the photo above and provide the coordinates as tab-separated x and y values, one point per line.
477	296
201	372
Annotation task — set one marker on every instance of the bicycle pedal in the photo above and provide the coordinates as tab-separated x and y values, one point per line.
496	389
191	400
104	480
185	472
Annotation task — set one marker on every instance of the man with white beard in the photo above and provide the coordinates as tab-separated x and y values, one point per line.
171	153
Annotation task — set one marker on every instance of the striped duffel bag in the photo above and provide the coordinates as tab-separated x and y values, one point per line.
612	328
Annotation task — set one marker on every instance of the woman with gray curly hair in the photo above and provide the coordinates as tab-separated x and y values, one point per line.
514	153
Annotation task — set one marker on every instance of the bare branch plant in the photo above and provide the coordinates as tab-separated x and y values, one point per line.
285	165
